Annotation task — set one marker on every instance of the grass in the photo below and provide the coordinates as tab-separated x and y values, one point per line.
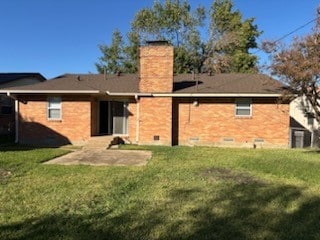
183	193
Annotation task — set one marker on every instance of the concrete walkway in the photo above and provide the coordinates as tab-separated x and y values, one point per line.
103	157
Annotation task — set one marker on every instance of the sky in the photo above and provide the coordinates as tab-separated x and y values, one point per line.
54	37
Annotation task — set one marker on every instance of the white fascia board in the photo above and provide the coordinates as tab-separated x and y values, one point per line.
128	94
196	94
8	92
216	95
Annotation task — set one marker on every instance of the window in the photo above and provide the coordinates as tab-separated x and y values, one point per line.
243	107
310	120
54	108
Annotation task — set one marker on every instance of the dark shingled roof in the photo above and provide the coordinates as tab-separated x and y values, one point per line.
183	83
8	77
87	82
227	83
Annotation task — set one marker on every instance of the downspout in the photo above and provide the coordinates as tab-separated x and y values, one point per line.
312	135
16	117
136	97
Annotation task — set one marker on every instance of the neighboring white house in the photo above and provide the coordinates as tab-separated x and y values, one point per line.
304	129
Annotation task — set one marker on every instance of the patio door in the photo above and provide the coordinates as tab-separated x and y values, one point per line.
113	117
119	117
104	123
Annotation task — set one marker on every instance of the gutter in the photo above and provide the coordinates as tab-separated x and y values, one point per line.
134	94
215	95
195	94
50	91
129	94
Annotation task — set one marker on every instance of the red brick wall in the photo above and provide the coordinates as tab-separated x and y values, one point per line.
213	122
132	122
210	123
155	120
156	68
74	127
94	117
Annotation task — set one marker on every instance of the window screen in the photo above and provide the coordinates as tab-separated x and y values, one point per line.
243	107
54	108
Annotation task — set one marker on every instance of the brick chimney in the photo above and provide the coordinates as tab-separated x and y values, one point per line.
156	67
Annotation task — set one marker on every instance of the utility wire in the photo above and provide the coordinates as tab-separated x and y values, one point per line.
297	29
288	34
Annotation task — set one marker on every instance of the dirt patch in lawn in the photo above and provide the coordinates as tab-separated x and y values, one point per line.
226	174
4	175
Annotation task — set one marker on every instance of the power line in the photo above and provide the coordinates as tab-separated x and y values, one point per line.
290	33
297	29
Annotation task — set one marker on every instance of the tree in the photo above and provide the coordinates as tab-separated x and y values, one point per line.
119	56
112	56
174	21
171	20
231	38
131	53
298	66
227	50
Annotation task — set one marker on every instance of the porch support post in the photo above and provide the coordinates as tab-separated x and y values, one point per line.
138	118
16	118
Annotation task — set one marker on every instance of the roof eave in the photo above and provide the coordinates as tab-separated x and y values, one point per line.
125	94
8	92
195	94
217	94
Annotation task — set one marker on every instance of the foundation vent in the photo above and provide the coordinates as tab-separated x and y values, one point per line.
194	139
228	139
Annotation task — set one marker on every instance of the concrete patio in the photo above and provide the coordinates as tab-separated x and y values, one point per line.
103	157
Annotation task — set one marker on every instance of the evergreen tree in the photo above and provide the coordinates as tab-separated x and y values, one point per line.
131	53
227	49
231	39
174	21
112	56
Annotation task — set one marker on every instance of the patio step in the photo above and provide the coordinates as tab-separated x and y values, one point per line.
100	142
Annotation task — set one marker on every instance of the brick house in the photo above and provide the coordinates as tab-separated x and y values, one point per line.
6	103
154	107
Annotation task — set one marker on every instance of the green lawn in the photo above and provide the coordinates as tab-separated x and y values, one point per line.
183	193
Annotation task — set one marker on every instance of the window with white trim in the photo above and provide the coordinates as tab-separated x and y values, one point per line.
243	107
54	108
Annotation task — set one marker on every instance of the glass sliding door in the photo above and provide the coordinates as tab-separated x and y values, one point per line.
104	122
119	117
